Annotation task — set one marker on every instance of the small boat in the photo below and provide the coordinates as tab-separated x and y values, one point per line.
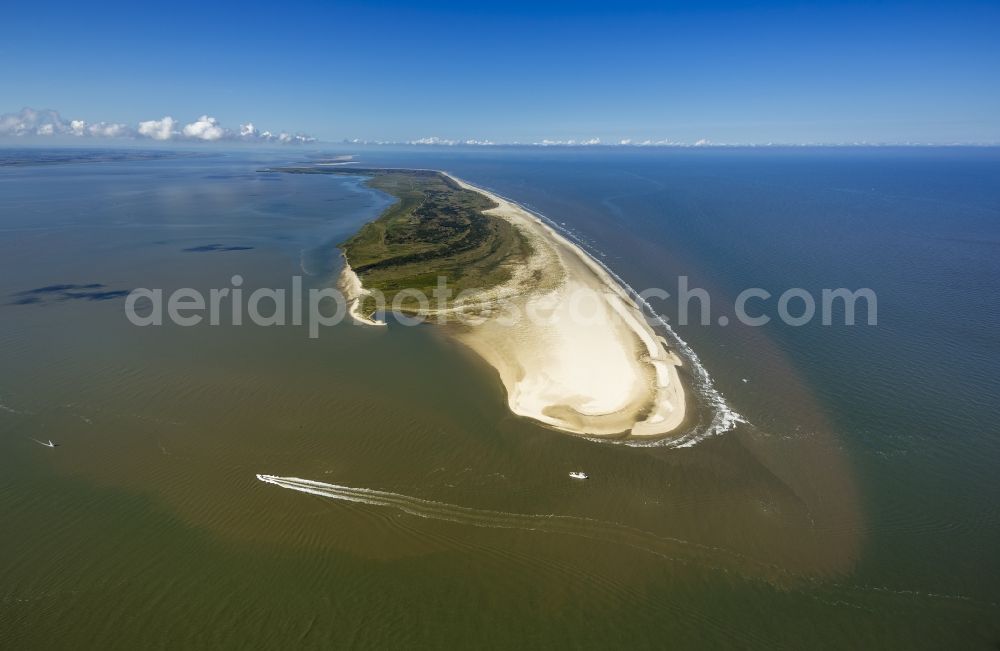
579	475
48	444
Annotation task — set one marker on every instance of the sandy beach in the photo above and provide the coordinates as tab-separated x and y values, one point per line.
572	348
350	286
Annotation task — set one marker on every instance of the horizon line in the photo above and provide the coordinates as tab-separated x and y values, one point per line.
33	140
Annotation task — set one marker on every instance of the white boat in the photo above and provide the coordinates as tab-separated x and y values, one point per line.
579	475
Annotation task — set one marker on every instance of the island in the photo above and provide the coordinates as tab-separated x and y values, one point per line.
571	345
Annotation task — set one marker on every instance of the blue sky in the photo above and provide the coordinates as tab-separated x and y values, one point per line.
735	72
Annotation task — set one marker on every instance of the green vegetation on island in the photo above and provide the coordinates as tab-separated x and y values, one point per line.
436	229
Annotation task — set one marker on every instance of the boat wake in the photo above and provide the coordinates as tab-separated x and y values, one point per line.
665	547
673	549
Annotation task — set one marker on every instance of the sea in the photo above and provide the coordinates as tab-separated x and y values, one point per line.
252	486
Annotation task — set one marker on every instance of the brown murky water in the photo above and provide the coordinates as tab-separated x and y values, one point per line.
147	525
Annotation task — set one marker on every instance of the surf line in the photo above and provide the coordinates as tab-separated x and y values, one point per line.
672	549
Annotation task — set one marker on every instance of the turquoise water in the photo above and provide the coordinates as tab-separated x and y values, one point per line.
855	507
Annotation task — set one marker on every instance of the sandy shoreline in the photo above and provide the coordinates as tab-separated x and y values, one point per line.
350	286
589	364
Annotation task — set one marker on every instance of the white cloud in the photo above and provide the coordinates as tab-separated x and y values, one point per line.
655	143
98	130
572	142
433	140
589	142
158	129
31	122
108	130
295	138
205	128
47	123
568	143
